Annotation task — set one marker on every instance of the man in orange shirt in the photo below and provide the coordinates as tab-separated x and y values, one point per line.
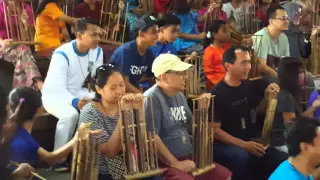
50	27
216	43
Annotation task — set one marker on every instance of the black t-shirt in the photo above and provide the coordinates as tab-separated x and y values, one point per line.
4	171
232	105
286	103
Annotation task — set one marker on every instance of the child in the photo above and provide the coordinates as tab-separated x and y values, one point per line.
169	26
216	43
189	38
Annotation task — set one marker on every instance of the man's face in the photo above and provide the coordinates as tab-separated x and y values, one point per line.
171	32
91	37
281	20
176	80
241	67
150	36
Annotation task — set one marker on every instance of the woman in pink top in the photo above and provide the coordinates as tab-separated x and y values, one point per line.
26	72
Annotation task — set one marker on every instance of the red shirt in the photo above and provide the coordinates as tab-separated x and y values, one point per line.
160	5
212	64
83	11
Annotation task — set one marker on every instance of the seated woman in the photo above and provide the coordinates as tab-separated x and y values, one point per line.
217	13
261	12
25	102
50	21
189	38
26	72
104	113
216	43
292	78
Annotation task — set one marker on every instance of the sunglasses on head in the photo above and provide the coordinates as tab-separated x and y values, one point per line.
104	68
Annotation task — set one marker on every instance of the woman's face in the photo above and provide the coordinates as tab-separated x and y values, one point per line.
297	17
114	89
223	34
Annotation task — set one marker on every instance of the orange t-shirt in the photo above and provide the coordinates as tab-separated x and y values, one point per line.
212	64
48	27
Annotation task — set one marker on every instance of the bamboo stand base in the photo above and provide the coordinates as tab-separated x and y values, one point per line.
198	172
145	175
14	43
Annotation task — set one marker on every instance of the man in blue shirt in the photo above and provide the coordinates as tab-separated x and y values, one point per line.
303	141
169	28
135	58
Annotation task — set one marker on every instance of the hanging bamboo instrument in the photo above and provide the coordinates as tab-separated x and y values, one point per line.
85	164
147	6
21	33
68	7
113	22
315	55
33	174
193	88
139	147
202	136
254	44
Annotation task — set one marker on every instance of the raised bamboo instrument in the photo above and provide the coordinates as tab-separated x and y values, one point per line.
68	7
202	136
85	164
193	88
147	6
139	147
19	32
113	22
315	55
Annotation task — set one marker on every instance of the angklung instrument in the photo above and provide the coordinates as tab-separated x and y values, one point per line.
202	135
113	21
21	33
315	55
85	163
139	145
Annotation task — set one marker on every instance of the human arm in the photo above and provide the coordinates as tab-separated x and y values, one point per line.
66	36
23	170
53	11
192	36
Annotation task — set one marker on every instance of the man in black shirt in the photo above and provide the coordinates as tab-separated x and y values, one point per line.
235	96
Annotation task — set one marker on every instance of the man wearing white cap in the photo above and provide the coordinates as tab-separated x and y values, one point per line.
172	119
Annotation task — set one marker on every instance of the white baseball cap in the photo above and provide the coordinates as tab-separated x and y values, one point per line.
167	62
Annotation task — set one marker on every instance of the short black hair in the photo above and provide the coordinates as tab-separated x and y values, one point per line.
271	12
229	56
300	130
168	19
82	24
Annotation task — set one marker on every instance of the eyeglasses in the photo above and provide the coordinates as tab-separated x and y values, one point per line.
283	18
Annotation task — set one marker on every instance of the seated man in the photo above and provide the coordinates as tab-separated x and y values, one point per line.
88	9
63	93
135	58
169	27
303	141
168	107
235	97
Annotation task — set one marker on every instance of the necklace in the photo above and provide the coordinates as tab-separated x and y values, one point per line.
81	66
104	109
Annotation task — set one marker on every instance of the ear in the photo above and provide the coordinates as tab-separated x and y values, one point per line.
99	90
161	29
303	147
227	65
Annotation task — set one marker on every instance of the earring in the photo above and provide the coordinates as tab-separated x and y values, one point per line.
209	35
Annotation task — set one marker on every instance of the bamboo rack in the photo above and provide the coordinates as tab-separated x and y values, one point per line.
139	146
85	164
202	136
315	55
193	88
113	20
147	6
15	29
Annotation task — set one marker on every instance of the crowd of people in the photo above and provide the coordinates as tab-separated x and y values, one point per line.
86	81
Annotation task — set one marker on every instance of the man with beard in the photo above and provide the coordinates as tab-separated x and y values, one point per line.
168	107
235	97
63	93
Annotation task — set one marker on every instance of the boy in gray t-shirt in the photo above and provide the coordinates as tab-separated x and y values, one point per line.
166	110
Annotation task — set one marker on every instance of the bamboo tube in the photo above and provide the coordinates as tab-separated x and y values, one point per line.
33	174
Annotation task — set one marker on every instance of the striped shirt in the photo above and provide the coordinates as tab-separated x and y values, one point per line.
107	124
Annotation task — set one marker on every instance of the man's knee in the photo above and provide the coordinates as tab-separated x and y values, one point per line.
238	155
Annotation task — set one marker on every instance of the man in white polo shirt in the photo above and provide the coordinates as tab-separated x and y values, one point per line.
64	93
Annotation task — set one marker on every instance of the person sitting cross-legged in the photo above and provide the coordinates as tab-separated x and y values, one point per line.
64	92
172	119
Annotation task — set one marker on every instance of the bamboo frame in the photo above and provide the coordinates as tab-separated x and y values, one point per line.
193	88
85	164
202	136
111	22
68	7
139	147
20	34
147	6
315	52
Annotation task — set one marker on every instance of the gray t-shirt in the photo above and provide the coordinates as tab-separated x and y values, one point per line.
264	45
172	119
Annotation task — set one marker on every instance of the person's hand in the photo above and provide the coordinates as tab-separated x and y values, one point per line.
137	11
315	31
273	87
202	35
82	102
121	4
254	148
205	100
316	103
24	17
6	43
185	166
24	170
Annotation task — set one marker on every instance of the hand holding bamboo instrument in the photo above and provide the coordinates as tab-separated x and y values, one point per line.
33	174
